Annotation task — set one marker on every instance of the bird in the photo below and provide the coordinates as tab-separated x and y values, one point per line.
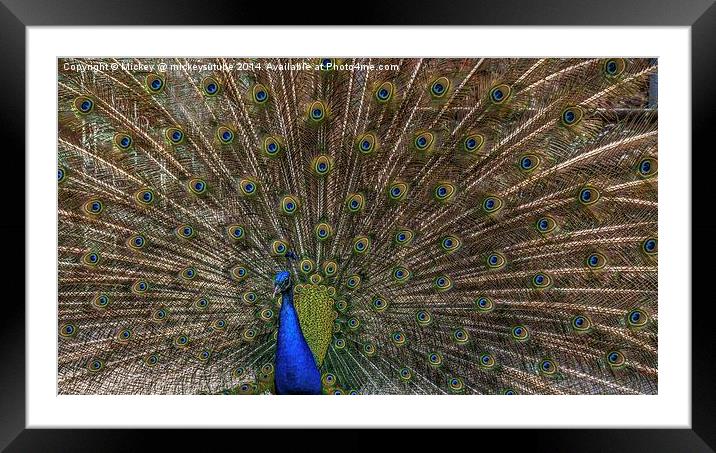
357	226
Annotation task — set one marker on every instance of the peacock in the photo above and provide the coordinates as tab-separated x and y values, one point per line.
246	226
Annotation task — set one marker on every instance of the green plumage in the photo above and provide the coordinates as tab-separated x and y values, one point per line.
460	226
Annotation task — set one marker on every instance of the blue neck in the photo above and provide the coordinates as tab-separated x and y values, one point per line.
295	371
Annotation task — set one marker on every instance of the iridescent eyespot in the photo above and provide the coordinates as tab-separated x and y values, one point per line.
450	243
306	265
61	174
596	261
144	196
520	333
541	281
238	372
197	186
68	330
379	303
435	359
210	86
444	191
588	195
545	224
95	365
136	241
460	336
201	303
529	162
248	186
439	87
328	64
84	105
403	237
259	94
315	279
423	140
637	318
547	367
423	318
572	115
188	273
339	343
353	323
397	191
456	385
341	305
330	268
405	374
151	360
650	246
124	335
487	361
615	359
239	273
366	143
369	349
484	304
140	287
249	334
224	134
353	281
155	83
355	202
272	146
321	165
491	204
473	143
279	247
219	324
93	207
317	112
500	93
323	231
181	341
174	135
90	259
398	338
122	141
495	260
508	391
159	315
442	283
614	67
385	92
185	231
361	244
647	167
329	379
236	232
400	274
581	323
289	204
100	301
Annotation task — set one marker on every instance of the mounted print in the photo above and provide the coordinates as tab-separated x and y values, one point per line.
357	226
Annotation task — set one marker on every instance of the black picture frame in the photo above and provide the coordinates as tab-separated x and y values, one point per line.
16	15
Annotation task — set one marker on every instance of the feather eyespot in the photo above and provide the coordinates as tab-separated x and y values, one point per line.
224	134
442	283
385	92
400	274
124	335
541	281
614	67
529	162
249	334
405	374
289	205
500	93
487	361
181	341
650	246
136	242
397	191
330	268
306	266
210	86
279	247
353	281
140	287
596	261
361	244
122	141
159	315
248	186
201	303
369	349
647	167
317	112
473	143
329	380
545	224
188	273
61	174
355	202
239	273
219	324
322	165
444	191
496	260
508	391
581	323
94	207
155	83
236	232
491	204
398	338
197	186
259	94
548	367
484	304
323	231
435	359
637	318
144	196
95	365
571	116
84	105
272	146
379	304
68	330
589	195
423	141
151	360
615	359
366	143
185	231
328	64
90	259
439	87
520	333
100	301
403	237
339	344
450	243
460	336
423	318
353	323
174	135
456	385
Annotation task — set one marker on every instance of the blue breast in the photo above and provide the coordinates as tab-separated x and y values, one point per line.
295	370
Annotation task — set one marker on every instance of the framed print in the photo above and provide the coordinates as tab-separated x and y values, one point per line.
364	227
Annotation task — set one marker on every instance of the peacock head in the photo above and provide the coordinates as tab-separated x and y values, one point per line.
281	282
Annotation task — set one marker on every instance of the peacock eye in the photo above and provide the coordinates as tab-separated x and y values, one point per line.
571	116
122	141
500	93
155	83
84	105
588	195
439	87
317	112
444	191
529	162
385	91
423	141
210	86
197	186
174	135
614	67
225	135
259	94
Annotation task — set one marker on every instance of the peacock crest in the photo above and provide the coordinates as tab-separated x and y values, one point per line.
454	226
